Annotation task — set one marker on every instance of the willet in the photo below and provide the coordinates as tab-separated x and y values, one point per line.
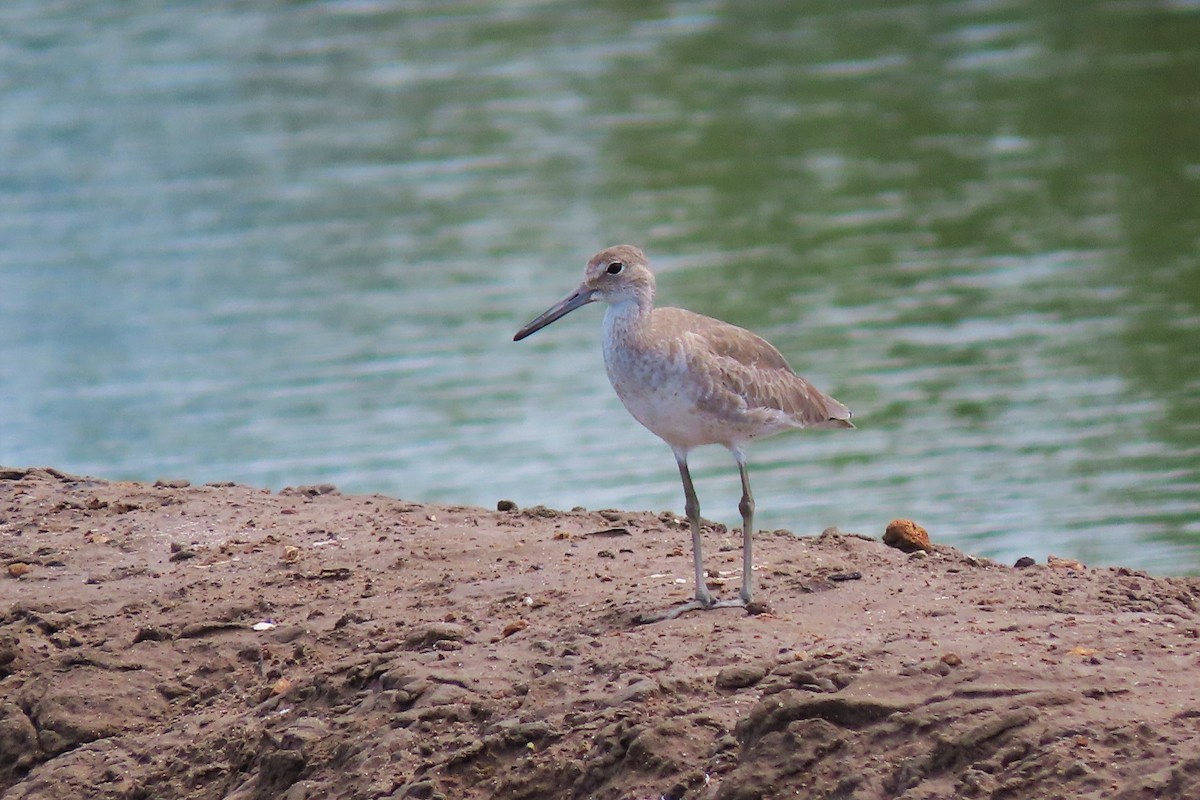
693	380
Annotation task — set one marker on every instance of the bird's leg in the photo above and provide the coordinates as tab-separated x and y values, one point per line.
746	506
691	506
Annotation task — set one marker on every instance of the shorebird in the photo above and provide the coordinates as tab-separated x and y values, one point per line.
693	380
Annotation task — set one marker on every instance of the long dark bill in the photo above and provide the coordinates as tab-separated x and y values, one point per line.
576	299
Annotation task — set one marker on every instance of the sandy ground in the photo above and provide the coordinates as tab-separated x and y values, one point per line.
220	641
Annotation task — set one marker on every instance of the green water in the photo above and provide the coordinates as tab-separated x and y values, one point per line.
286	243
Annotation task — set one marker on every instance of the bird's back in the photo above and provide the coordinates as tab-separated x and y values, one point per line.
703	381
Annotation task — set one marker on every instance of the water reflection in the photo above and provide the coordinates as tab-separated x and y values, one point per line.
283	244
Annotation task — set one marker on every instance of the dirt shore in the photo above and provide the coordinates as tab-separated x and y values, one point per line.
220	641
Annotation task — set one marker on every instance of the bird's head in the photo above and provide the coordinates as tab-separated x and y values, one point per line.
615	275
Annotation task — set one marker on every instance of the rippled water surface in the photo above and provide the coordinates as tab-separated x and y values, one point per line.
290	243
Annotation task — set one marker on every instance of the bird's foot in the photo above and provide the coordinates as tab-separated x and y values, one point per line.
707	604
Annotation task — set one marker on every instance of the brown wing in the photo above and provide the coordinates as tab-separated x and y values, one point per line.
748	373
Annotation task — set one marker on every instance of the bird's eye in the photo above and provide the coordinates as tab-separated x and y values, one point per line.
615	268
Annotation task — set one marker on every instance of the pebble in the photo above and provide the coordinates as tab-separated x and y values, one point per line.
740	676
309	491
906	535
8	654
197	629
637	691
513	627
1056	562
443	694
427	636
152	634
288	633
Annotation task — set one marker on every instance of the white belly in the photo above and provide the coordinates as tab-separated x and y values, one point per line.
681	396
663	395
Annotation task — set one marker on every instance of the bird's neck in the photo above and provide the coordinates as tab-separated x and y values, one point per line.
626	319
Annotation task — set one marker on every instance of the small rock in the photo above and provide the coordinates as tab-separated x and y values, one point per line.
506	505
444	694
171	691
152	634
18	737
251	653
18	569
637	691
740	676
513	627
310	491
906	535
1023	562
540	512
349	618
610	532
172	483
1064	563
816	685
429	635
197	629
951	659
51	622
421	790
278	770
756	607
288	633
8	654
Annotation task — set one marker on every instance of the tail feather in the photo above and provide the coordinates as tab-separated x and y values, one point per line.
839	415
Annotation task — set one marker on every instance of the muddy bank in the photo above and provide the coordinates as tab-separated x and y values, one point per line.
185	641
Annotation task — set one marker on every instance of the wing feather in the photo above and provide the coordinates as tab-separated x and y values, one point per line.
748	376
